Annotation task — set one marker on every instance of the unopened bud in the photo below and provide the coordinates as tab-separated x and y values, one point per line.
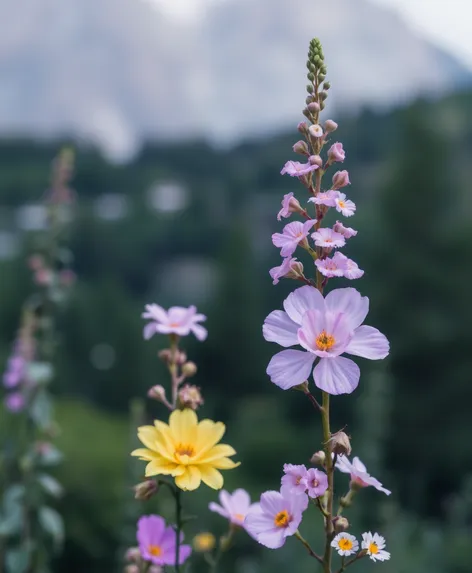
340	179
323	95
309	99
189	369
326	86
157	393
165	354
315	160
318	458
172	356
133	554
340	524
330	126
339	444
301	147
314	106
190	397
316	131
302	127
296	270
145	490
204	542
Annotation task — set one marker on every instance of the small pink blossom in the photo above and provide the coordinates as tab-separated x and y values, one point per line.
329	268
297	169
292	235
290	268
15	402
350	268
301	147
341	179
336	153
177	320
315	130
316	482
43	277
346	232
157	542
289	205
234	507
327	198
359	475
330	126
328	238
294	479
276	517
345	206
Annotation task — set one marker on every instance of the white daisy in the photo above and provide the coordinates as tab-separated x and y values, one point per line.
374	545
345	544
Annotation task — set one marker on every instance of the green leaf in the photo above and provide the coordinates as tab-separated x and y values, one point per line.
52	523
17	560
50	485
41	410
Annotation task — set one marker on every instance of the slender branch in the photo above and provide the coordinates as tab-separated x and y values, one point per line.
346	564
308	548
313	400
178	527
329	491
224	545
319	505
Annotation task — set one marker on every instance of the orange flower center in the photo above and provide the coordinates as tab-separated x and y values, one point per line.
341	204
345	544
174	324
185	450
155	550
239	516
282	519
373	548
325	341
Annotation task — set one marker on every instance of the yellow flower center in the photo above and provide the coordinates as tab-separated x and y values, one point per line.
239	516
373	549
185	450
282	519
155	550
204	542
345	544
174	324
325	341
341	204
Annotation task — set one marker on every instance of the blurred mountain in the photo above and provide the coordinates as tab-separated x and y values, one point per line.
119	71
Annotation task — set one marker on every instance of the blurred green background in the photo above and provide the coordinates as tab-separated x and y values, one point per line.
187	224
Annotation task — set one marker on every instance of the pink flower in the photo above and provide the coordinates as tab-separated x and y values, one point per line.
15	371
276	517
345	206
177	320
294	479
289	205
290	268
346	232
330	126
350	268
328	238
341	179
297	169
336	153
327	198
15	402
325	328
359	475
315	130
292	235
316	482
157	542
234	507
329	267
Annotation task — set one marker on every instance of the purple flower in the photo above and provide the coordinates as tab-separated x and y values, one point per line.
329	267
289	205
276	517
344	206
157	542
341	179
315	131
359	475
325	328
327	198
328	238
15	371
316	482
177	320
292	235
15	402
290	268
339	266
234	507
336	153
294	479
297	169
346	232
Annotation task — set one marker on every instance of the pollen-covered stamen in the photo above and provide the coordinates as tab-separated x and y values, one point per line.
373	548
345	544
325	341
341	203
155	550
239	517
185	450
282	519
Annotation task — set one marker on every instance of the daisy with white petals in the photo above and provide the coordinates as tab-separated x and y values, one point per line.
374	545
345	544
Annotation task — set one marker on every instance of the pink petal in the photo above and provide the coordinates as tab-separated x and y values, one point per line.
301	300
279	328
149	330
358	465
369	343
313	322
272	502
350	302
155	312
273	539
218	509
337	375
200	332
290	368
241	500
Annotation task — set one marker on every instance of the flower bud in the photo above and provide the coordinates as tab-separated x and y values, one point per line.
315	160
330	126
340	524
157	393
316	131
204	542
145	490
340	179
133	554
168	356
36	262
132	569
190	397
302	127
314	107
340	444
318	458
189	369
336	153
296	270
301	147
164	354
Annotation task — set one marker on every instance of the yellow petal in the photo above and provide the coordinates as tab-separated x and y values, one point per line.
218	451
209	433
211	476
148	436
183	425
161	467
225	464
165	435
189	480
144	454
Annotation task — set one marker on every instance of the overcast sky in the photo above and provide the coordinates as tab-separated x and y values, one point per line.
446	22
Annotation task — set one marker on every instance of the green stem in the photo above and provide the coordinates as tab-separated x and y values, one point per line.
178	527
346	501
345	565
307	547
329	491
224	545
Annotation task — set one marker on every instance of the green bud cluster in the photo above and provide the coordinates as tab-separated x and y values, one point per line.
316	71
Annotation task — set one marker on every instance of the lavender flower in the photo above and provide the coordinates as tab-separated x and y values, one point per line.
234	507
177	320
359	475
15	402
297	169
292	235
346	232
327	238
344	206
294	479
336	153
290	268
157	542
316	482
289	205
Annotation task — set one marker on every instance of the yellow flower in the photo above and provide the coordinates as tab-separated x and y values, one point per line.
203	542
186	449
